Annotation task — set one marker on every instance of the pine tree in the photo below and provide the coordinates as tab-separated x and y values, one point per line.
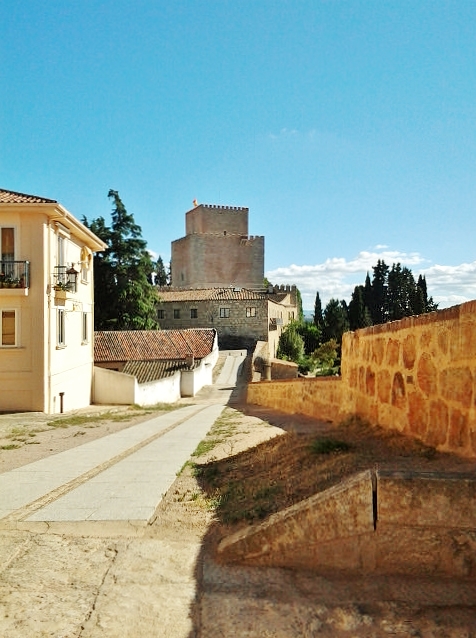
124	297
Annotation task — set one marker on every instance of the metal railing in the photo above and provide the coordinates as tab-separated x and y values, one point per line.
14	274
62	279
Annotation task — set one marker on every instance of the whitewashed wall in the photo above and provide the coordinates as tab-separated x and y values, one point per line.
112	388
162	391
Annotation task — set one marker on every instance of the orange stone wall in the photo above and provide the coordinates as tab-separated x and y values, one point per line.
417	375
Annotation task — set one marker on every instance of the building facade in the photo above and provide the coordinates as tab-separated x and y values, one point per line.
217	251
46	305
240	316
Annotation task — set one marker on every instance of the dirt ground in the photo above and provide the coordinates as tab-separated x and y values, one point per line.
78	585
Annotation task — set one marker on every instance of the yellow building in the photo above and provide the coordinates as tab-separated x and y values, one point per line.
46	305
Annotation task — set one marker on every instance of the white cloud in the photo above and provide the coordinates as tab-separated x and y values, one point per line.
337	277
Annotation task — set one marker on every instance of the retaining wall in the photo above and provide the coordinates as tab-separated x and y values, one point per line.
416	375
374	522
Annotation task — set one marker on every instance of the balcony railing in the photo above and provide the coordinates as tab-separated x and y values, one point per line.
14	274
64	278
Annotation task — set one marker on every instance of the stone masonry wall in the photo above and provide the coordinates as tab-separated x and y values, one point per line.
417	375
215	261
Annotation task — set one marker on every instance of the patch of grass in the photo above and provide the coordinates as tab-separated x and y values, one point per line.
206	446
184	467
88	420
9	446
17	433
329	446
223	428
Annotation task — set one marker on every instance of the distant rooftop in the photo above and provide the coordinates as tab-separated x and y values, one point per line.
209	294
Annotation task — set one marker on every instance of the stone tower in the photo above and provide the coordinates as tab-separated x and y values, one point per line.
217	251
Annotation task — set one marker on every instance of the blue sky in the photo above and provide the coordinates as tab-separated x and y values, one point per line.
347	127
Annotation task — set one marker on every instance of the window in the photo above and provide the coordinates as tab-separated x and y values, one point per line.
9	328
224	313
61	337
8	244
176	313
251	312
8	252
85	331
161	313
193	313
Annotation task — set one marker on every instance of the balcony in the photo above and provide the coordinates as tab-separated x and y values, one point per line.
65	278
15	274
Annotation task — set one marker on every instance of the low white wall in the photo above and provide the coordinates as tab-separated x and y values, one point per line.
192	381
162	391
111	387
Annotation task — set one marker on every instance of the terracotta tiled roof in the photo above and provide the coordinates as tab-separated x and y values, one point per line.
209	294
149	345
10	197
146	371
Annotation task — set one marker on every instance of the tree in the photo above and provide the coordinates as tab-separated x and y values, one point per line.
290	344
300	311
427	303
335	320
161	277
379	309
325	355
318	311
359	314
310	334
124	297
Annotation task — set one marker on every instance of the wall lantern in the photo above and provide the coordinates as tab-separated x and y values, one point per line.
72	275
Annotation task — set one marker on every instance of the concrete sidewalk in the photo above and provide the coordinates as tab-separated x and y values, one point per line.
120	477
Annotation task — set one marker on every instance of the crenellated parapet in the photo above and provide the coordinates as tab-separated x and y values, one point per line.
220	207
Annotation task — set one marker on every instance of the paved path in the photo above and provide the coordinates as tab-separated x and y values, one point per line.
120	477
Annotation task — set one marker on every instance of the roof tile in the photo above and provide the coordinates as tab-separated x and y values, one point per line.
11	197
150	345
209	294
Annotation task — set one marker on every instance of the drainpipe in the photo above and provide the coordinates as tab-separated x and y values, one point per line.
48	318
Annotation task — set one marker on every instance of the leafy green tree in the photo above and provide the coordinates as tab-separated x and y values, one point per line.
325	355
290	344
318	311
310	334
336	320
124	297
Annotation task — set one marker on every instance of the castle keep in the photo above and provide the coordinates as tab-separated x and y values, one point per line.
218	282
217	251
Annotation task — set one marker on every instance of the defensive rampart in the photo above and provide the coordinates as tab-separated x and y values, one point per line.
416	375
